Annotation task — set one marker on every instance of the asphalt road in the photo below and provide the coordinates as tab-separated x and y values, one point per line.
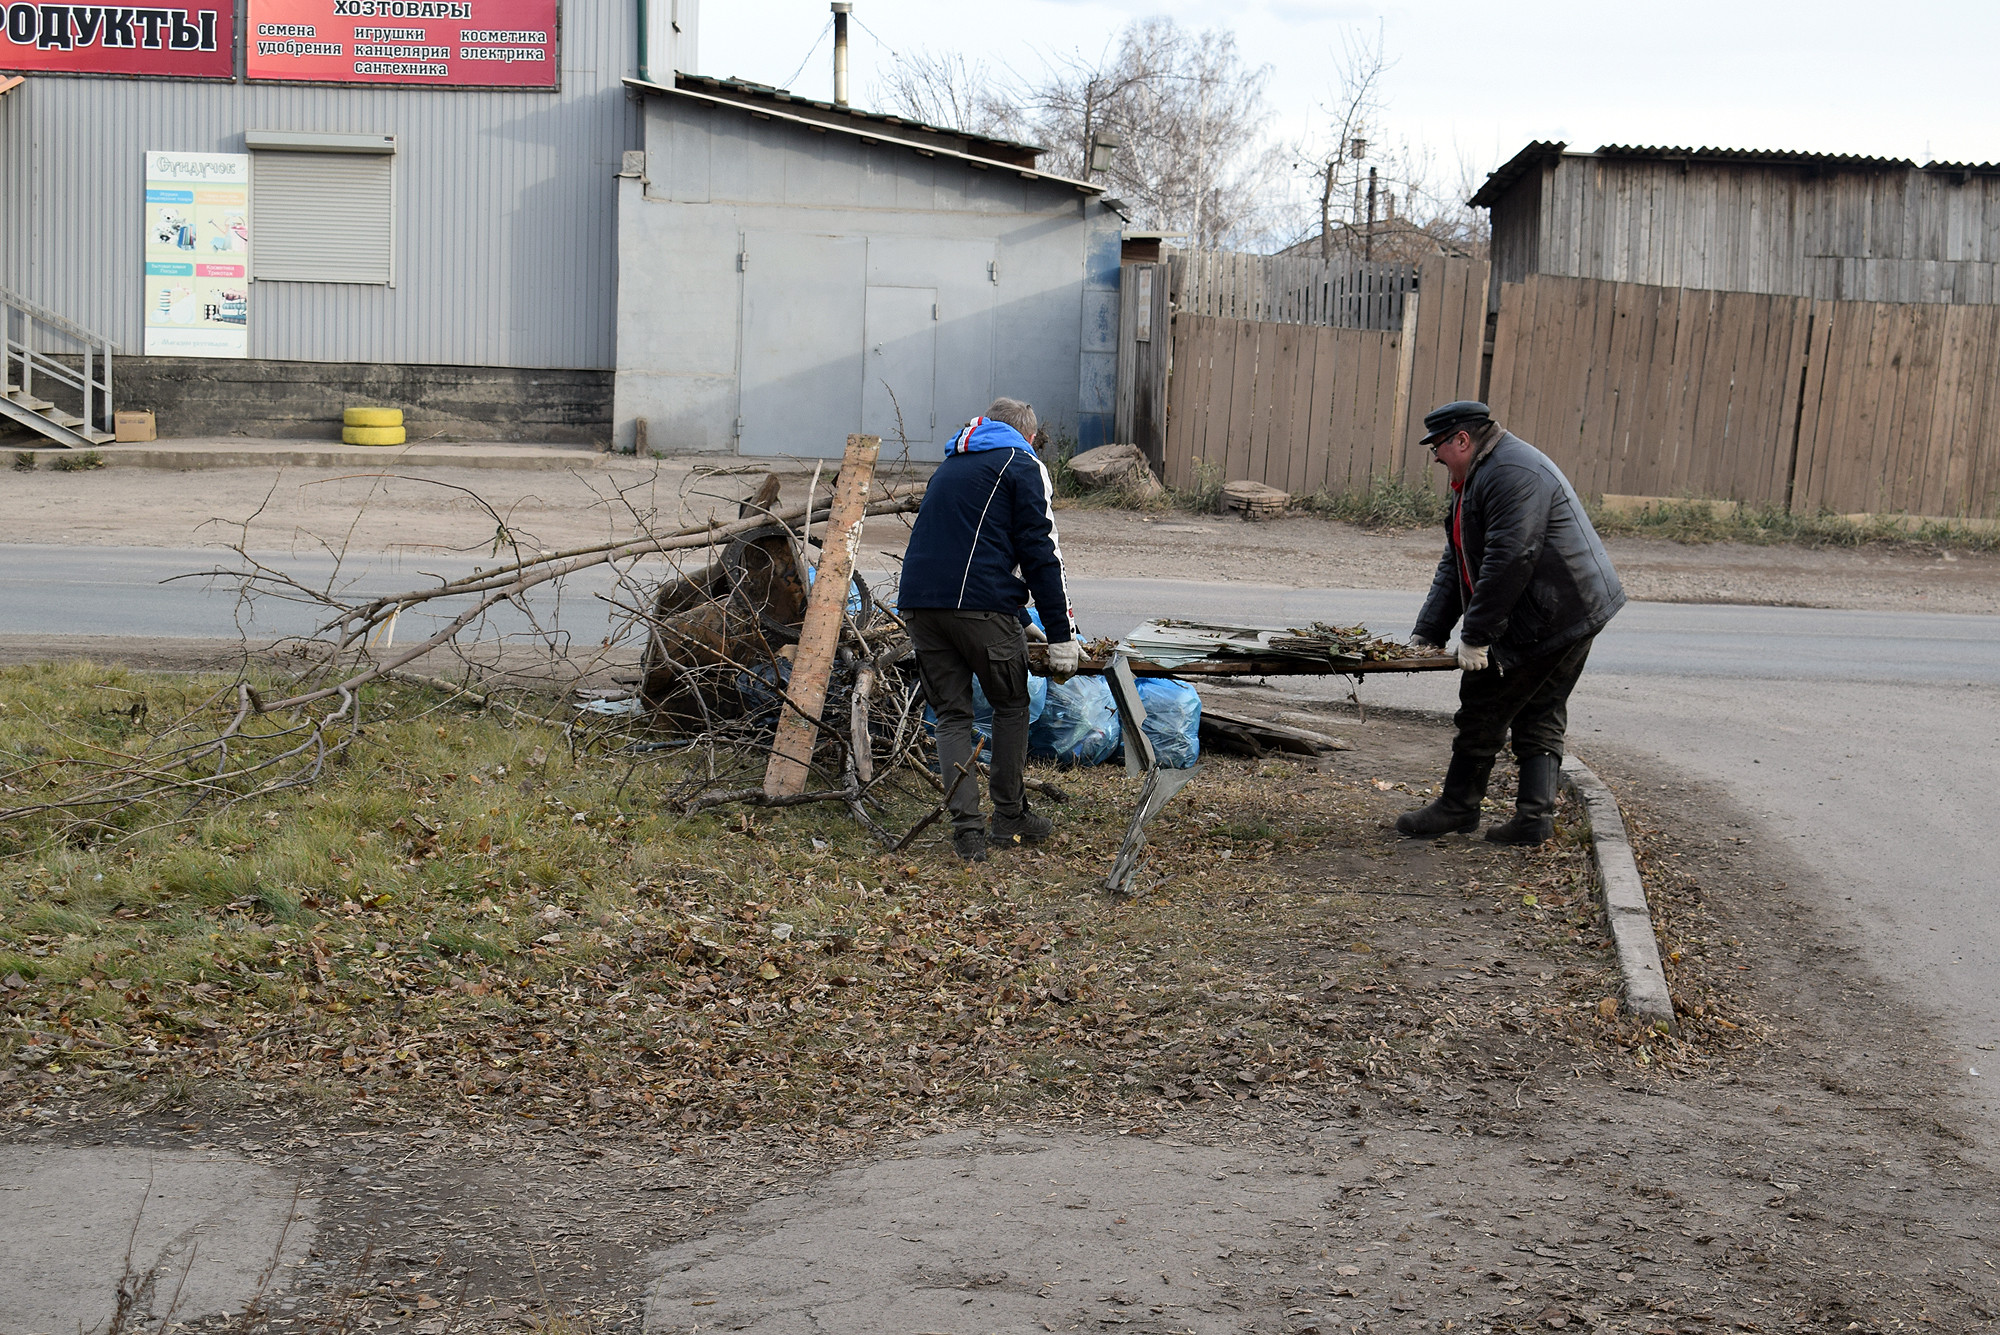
1868	742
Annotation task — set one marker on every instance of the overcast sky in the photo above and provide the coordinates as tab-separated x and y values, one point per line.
1477	79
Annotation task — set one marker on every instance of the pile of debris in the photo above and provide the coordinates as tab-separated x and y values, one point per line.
1170	644
1350	645
1254	500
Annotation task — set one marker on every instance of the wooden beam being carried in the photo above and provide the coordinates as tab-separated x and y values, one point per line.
826	614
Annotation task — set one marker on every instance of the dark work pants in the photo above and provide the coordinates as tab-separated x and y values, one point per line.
952	648
1531	700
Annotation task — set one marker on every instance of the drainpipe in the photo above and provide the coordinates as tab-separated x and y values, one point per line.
645	37
841	9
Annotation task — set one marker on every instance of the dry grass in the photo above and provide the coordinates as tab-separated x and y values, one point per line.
1391	503
468	918
1697	521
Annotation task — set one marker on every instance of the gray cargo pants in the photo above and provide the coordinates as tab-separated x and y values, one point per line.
953	647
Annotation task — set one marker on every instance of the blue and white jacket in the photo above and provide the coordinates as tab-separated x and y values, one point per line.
985	516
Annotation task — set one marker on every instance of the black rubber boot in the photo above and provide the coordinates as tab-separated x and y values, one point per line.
1026	828
1456	810
1534	805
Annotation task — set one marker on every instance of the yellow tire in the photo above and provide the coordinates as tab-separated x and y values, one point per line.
372	417
373	435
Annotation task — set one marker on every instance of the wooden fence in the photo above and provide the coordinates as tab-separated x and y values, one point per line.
1345	292
1145	333
1852	407
1312	408
1900	412
1652	391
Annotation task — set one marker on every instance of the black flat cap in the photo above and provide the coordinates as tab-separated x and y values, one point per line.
1443	421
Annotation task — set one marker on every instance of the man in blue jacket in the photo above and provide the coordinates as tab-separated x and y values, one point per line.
1525	570
984	541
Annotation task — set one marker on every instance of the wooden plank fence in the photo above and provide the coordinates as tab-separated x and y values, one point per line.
1848	407
1344	292
1900	412
1312	408
1145	333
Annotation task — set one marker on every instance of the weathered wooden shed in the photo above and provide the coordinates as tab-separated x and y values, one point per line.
1830	226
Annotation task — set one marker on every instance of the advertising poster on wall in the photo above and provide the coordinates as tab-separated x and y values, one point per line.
184	41
444	43
197	254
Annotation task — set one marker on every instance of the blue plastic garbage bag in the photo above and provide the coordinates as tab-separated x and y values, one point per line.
853	591
982	708
1078	725
1173	721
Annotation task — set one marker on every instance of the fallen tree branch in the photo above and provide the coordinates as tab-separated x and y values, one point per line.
355	625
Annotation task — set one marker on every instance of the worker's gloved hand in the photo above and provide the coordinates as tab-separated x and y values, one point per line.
1063	660
1035	634
1472	657
1419	642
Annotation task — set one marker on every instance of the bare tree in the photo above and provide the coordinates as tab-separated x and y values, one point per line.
946	90
1188	116
1379	198
1356	105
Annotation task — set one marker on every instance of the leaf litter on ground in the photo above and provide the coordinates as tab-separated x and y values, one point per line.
468	918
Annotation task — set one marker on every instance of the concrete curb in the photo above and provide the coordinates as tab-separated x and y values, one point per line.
1631	921
358	456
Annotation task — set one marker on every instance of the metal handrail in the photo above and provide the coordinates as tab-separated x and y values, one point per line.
9	297
95	391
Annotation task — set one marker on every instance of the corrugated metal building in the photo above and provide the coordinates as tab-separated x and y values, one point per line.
1801	224
769	247
499	309
475	257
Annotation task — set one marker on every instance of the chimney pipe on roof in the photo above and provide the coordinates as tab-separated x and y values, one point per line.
841	9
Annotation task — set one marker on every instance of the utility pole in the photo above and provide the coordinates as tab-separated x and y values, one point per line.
1368	242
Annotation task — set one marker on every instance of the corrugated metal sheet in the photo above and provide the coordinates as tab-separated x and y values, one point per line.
506	211
1501	179
1768	156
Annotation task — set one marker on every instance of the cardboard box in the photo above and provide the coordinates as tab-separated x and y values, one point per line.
133	427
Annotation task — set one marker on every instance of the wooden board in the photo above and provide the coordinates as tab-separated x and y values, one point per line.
826	615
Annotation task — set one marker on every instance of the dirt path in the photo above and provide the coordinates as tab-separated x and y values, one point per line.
1380	1097
301	508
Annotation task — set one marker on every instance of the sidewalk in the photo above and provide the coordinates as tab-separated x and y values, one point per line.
245	452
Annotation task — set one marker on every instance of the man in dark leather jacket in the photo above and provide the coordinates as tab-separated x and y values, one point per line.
1528	577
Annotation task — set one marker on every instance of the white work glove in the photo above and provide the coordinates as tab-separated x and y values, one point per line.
1472	657
1035	634
1063	660
1419	642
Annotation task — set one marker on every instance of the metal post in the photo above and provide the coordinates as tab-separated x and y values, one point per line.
1368	245
841	9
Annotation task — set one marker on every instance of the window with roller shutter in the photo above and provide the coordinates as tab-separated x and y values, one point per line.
322	215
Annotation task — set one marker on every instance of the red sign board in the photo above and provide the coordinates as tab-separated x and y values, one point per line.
446	43
185	41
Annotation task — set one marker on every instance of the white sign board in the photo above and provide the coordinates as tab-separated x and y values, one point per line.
197	254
